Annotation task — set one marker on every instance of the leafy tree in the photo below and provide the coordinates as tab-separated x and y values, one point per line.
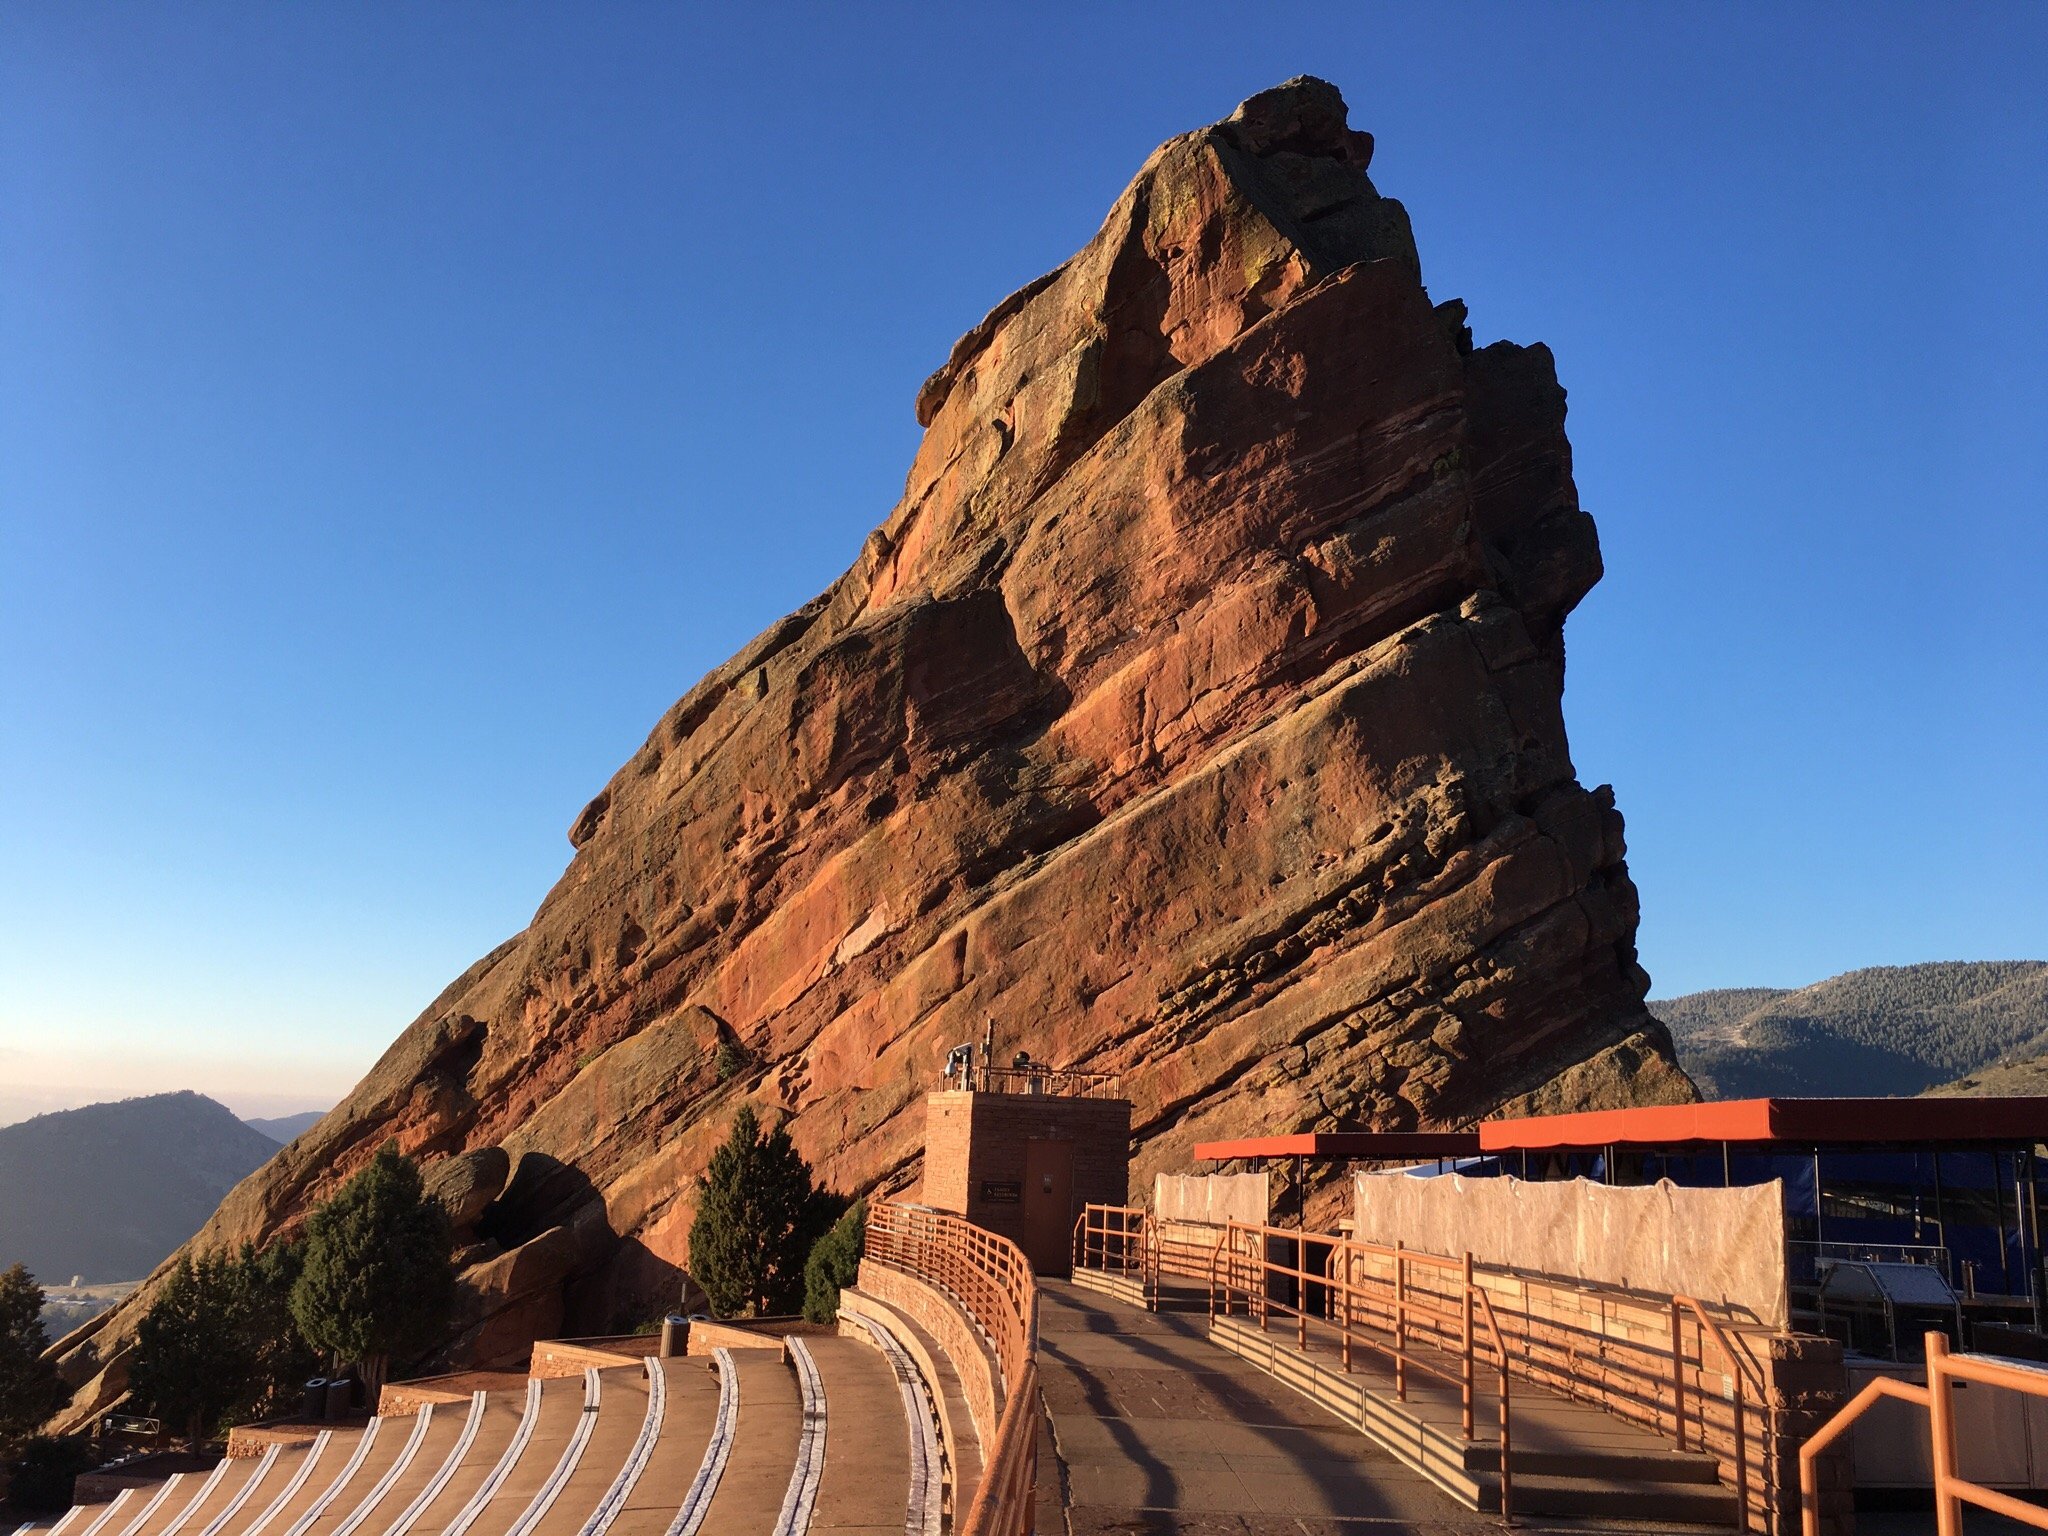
376	1279
834	1262
29	1389
758	1214
279	1357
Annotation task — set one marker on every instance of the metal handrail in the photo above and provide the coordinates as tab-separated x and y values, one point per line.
1113	1239
1415	1310
992	1280
1500	1350
1004	1503
1828	1433
1380	1317
1951	1490
1740	1373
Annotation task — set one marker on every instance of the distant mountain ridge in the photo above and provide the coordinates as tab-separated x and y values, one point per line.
285	1128
1888	1030
110	1190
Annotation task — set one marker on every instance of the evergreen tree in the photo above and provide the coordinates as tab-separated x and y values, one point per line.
29	1389
376	1280
758	1214
834	1262
191	1365
218	1345
279	1357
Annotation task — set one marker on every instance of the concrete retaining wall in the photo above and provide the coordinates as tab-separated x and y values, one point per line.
938	1314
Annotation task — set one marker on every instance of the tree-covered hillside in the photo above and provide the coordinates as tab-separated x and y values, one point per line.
107	1191
1888	1030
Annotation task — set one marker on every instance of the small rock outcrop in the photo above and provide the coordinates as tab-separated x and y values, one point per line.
1196	716
466	1184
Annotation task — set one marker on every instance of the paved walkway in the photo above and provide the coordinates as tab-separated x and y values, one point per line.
1155	1430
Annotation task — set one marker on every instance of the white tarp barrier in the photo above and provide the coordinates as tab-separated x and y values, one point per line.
1211	1199
1719	1245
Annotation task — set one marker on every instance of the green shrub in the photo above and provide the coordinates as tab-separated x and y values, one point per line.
732	1060
46	1469
218	1345
834	1262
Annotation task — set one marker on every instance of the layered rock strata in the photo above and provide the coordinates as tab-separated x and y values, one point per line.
1195	716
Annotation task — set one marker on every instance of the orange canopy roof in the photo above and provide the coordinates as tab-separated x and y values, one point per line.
1805	1122
1391	1145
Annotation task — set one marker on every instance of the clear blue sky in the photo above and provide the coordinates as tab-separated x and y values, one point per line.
401	405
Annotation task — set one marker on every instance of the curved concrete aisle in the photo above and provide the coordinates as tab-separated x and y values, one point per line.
756	1481
434	1434
217	1496
290	1488
409	1434
690	1389
274	1469
501	1419
816	1436
620	1416
547	1435
866	1484
384	1442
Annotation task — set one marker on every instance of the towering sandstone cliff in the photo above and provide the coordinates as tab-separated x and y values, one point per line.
1196	716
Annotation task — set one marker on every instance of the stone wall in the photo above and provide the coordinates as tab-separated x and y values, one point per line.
975	1150
570	1357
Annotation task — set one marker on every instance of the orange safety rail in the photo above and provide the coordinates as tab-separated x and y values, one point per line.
1129	1240
1115	1239
1184	1249
1951	1490
1446	1317
1006	1501
990	1277
1386	1317
1745	1384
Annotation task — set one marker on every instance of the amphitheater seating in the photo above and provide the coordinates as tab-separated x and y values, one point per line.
825	1433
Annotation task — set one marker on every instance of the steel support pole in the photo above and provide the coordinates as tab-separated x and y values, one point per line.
1948	1509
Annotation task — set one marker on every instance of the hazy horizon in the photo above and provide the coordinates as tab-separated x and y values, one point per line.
399	409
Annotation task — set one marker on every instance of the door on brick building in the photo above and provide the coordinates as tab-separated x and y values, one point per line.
1049	1205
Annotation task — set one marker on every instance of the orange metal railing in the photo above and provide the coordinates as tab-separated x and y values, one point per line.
991	1279
1116	1240
1439	1328
1745	1385
1129	1240
1951	1490
1439	1316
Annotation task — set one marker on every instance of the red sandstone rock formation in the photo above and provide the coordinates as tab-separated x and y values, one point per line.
1196	715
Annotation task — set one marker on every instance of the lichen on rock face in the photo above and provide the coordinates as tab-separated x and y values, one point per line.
1195	716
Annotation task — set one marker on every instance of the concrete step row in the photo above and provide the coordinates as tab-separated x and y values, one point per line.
808	1434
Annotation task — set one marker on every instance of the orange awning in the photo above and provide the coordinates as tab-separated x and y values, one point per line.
1801	1122
1346	1145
